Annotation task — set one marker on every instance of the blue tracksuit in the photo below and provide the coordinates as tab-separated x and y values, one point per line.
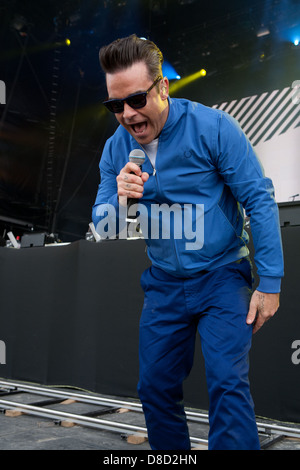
203	161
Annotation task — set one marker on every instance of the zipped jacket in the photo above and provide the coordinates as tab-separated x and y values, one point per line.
207	177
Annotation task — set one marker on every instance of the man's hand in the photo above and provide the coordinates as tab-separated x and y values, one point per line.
262	307
131	183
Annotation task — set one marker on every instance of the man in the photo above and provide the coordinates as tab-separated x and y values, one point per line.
197	158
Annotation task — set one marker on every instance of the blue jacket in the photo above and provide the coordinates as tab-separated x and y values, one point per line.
205	160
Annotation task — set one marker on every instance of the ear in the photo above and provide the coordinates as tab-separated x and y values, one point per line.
164	88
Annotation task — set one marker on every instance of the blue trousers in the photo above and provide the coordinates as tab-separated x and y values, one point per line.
216	304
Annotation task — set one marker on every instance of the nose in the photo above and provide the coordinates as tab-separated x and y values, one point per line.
128	112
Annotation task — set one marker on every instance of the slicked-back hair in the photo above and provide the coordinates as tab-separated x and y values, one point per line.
124	52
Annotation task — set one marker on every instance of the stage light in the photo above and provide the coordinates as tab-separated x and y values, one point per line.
262	57
169	71
19	23
174	87
263	31
68	42
292	35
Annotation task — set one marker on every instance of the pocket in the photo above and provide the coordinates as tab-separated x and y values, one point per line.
244	266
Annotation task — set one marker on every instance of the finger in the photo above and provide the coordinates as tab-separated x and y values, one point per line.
130	190
129	184
132	168
131	178
252	312
145	176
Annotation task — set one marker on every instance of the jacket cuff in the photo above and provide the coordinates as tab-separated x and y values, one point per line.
269	285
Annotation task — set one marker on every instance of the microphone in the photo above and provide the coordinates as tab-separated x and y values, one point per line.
136	156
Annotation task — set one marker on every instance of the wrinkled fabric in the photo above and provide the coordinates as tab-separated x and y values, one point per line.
216	305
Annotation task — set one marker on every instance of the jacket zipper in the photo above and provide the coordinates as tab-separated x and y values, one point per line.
159	192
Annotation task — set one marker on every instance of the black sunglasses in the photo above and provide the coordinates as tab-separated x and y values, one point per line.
135	101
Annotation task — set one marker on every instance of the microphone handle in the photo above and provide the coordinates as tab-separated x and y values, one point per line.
131	202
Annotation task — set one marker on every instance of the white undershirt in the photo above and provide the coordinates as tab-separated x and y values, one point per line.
151	150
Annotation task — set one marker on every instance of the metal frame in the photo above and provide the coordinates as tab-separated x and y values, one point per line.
272	432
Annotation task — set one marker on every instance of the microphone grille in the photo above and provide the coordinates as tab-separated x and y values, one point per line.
137	156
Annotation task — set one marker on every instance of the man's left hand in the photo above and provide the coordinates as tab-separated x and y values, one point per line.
262	307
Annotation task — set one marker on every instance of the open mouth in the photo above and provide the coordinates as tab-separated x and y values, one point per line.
139	127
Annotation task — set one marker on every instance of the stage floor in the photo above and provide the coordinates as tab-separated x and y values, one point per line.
29	432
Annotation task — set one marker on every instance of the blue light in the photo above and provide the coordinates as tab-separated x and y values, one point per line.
291	35
169	71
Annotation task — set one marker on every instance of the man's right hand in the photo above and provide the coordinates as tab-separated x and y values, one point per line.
131	183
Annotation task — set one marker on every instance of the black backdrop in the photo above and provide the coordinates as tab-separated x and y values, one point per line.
69	316
53	126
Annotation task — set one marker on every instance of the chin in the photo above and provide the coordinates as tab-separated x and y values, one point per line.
145	139
142	140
